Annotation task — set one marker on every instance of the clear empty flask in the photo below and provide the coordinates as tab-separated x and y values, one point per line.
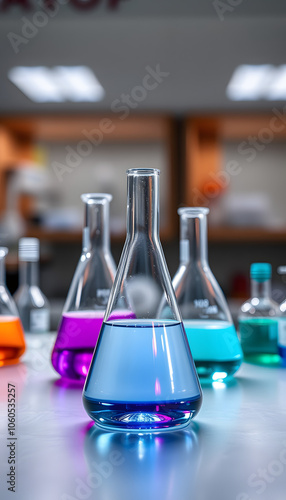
88	294
142	376
12	341
209	327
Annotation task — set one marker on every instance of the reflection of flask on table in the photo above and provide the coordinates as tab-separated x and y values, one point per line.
208	323
33	306
142	374
258	319
88	294
12	343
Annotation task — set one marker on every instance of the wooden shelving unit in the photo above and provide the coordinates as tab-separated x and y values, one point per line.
246	235
204	137
18	134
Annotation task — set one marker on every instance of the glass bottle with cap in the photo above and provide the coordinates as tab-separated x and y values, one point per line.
208	323
282	321
88	294
142	376
258	318
12	341
33	306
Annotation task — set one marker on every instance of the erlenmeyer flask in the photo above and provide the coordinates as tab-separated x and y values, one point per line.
88	294
142	375
209	327
12	341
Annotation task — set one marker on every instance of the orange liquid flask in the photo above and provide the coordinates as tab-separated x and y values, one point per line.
12	340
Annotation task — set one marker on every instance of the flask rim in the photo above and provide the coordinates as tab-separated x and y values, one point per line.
143	171
93	198
193	211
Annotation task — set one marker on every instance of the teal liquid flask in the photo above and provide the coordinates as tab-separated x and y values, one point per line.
209	327
142	376
259	318
88	294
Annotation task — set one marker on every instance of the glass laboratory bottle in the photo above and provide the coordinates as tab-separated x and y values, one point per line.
209	327
12	341
282	333
142	376
282	322
33	306
258	318
88	294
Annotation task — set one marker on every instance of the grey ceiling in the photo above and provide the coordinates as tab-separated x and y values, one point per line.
198	50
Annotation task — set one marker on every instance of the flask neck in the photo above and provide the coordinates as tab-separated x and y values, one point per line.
193	238
143	203
29	273
96	232
261	289
2	271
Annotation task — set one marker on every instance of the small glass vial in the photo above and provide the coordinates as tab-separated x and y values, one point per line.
33	306
258	319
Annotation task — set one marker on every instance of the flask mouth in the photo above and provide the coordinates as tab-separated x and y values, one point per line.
96	198
143	171
193	211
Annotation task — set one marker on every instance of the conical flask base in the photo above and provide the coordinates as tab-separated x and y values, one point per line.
142	377
142	416
215	347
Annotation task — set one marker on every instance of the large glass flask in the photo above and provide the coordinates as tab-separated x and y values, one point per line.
259	317
88	294
209	327
12	341
142	375
32	304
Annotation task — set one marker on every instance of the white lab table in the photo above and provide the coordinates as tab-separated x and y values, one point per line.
234	450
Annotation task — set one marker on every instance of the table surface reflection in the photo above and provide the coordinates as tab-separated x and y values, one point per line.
235	449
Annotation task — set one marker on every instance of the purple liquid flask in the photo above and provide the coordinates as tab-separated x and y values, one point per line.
142	376
88	294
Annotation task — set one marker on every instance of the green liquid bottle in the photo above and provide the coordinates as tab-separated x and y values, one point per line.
258	319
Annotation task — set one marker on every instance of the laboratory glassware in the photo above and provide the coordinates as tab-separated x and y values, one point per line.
142	376
32	304
282	322
88	294
12	341
209	327
258	318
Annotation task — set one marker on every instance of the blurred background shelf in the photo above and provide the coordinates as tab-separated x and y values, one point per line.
246	235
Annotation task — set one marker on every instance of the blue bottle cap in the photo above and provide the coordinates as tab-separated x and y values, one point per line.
260	271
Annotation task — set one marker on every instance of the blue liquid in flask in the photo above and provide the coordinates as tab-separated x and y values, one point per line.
142	377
